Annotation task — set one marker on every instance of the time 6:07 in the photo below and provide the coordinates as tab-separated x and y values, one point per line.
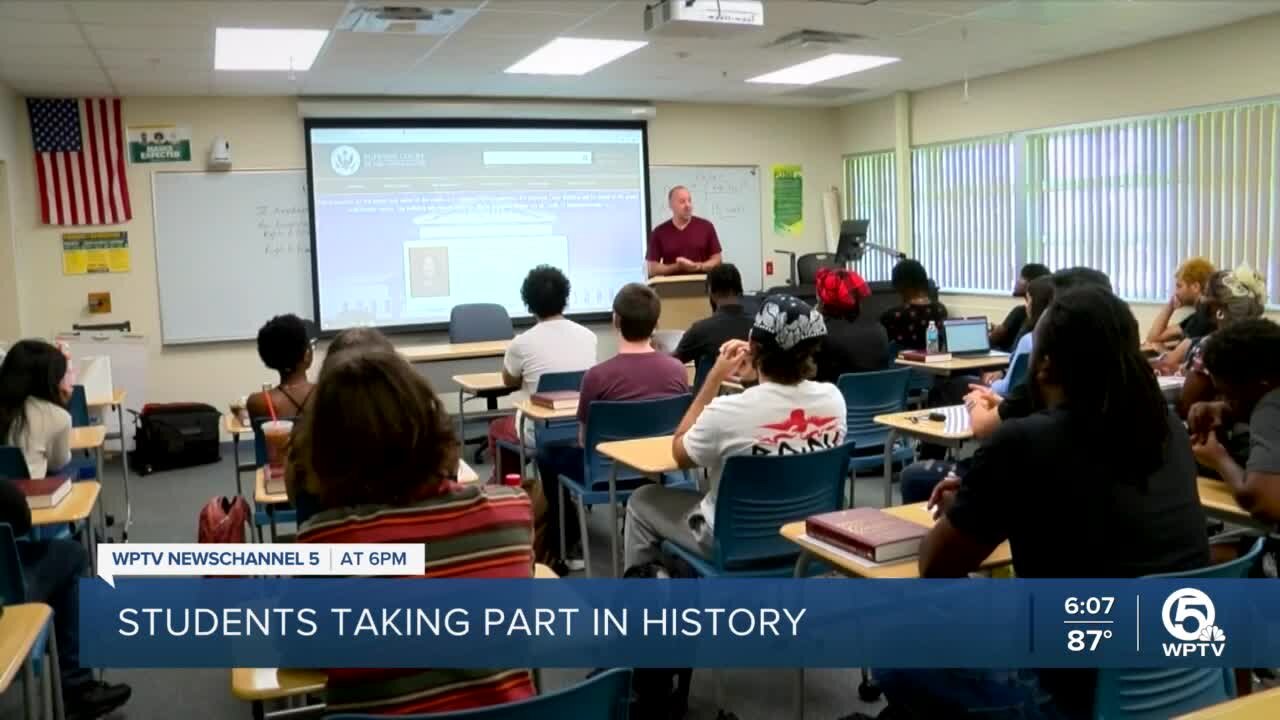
1088	606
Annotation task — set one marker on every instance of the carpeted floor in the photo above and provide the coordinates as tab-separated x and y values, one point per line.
165	506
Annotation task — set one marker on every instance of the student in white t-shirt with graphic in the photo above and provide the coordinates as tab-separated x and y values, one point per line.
785	413
554	344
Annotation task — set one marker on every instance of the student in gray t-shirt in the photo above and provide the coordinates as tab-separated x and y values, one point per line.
1242	362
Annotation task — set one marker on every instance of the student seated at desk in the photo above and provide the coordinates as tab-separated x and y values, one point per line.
987	407
51	569
728	321
1230	296
302	494
785	413
33	414
1242	361
1100	483
554	344
285	344
637	372
849	347
1006	335
1190	282
1039	293
383	455
908	324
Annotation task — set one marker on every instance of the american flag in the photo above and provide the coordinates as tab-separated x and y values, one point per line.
79	161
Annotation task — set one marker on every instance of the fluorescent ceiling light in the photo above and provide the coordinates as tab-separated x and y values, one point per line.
263	49
823	68
573	56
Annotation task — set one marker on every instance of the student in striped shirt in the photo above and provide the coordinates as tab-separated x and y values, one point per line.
379	449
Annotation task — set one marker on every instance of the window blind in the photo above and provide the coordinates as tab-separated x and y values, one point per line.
871	193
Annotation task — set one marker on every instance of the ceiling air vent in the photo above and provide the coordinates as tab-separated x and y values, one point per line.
403	18
811	39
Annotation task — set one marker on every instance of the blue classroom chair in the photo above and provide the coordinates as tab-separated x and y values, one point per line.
608	421
920	382
82	465
559	431
1158	693
1018	371
867	395
262	515
756	497
13	591
481	322
606	696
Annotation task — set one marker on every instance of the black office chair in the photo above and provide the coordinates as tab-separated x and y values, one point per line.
481	322
808	265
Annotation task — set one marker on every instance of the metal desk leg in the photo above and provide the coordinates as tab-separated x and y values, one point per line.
520	420
235	454
888	466
29	689
462	423
613	520
124	466
55	673
102	506
802	570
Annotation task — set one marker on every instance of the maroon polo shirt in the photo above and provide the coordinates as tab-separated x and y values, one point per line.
697	242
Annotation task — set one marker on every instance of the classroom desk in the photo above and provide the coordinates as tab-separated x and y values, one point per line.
76	506
913	423
650	456
991	361
232	426
20	627
116	401
1219	502
1261	705
526	411
90	437
456	351
475	384
258	685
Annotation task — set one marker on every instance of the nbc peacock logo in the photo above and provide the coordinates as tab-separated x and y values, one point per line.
345	160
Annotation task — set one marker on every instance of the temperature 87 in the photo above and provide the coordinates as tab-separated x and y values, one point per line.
1088	606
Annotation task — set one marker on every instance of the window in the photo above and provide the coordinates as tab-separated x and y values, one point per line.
962	214
871	193
1136	198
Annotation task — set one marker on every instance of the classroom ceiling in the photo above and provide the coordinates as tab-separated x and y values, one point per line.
166	47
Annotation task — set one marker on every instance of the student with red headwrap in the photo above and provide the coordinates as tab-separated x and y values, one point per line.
849	346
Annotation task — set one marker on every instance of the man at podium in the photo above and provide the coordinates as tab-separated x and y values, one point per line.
685	244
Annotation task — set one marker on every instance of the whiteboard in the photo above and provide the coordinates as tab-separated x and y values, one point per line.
232	250
728	196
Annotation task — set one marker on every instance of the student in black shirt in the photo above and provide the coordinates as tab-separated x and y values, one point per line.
849	346
1241	359
1101	483
1005	335
908	323
727	322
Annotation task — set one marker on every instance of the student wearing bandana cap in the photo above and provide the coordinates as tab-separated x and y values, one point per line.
786	412
849	346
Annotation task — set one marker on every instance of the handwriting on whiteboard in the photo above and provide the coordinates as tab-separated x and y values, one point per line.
285	231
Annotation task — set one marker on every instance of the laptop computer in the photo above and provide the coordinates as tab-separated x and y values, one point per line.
967	337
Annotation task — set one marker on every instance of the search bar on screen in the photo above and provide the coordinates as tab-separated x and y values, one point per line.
537	157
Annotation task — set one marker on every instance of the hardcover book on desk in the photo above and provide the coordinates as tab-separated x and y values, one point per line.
557	400
867	533
46	492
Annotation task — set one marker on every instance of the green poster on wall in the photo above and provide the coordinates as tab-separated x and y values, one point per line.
788	199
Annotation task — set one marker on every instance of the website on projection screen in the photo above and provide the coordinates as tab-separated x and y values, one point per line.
411	221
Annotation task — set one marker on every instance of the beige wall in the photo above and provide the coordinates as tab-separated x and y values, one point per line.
10	313
267	133
1231	63
866	126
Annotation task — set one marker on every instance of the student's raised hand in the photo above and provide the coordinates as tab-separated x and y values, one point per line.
1209	451
944	495
733	355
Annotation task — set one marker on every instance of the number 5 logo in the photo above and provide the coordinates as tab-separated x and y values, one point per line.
1186	613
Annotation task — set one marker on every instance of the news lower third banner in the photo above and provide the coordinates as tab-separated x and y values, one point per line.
399	622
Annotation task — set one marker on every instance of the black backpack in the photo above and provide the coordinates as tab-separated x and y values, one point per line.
175	435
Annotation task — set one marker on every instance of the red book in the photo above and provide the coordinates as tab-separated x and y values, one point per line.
44	492
868	533
558	400
924	357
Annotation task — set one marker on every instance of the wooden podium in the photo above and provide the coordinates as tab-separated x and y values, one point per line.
684	300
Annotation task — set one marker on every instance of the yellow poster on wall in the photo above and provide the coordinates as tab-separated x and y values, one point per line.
100	252
788	199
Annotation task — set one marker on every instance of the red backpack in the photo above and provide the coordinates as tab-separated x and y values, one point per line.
222	520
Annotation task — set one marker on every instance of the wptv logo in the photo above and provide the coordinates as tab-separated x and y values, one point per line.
1188	615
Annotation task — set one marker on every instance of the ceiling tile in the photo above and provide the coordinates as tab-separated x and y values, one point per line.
292	14
149	38
954	8
161	60
134	13
350	51
256	83
166	13
47	56
165	83
495	23
39	10
872	20
580	8
49	80
39	34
